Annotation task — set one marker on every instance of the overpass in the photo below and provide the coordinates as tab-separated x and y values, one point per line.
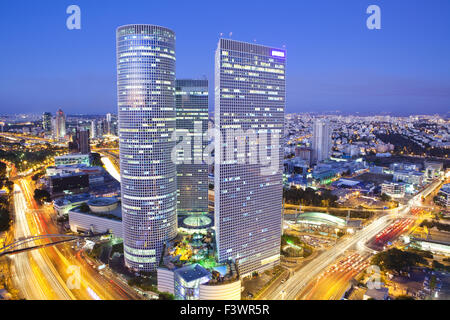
16	246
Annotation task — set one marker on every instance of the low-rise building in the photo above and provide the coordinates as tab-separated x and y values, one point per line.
4	294
393	189
64	184
413	177
433	170
443	196
63	205
189	270
74	158
99	216
377	294
194	282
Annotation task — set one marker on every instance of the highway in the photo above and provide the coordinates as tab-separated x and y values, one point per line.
57	272
18	137
291	289
335	280
300	279
111	168
32	273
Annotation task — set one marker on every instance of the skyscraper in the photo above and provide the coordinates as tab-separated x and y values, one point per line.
147	119
100	131
93	129
250	98
60	124
80	141
192	122
108	123
321	142
47	122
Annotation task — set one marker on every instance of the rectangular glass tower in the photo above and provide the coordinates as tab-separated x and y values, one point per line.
192	123
321	142
249	116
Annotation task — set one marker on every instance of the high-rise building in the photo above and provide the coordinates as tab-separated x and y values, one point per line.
321	141
93	129
83	141
80	141
60	125
192	122
304	154
47	122
147	120
249	97
100	129
54	127
108	123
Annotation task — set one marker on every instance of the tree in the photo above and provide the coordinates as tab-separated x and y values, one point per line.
385	197
96	159
397	260
5	219
84	207
166	296
41	195
2	169
310	197
439	266
36	176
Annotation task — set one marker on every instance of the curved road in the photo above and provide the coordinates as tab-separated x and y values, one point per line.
296	283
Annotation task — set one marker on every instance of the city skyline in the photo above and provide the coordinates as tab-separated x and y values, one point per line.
336	63
207	177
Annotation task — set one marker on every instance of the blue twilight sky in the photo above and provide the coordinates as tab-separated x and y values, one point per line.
334	61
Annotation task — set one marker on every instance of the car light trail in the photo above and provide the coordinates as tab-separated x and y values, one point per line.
93	294
111	168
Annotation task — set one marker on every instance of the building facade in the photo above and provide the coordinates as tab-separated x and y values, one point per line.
65	184
147	120
393	189
321	141
249	118
73	159
103	215
409	176
192	123
84	146
47	122
443	196
80	141
93	131
60	125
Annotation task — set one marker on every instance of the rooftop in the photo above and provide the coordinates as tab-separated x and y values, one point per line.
114	214
100	202
320	217
71	199
72	155
446	188
192	272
